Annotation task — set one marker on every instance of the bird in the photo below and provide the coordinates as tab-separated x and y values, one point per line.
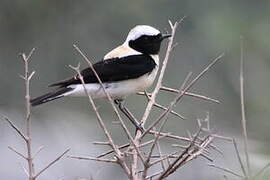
127	69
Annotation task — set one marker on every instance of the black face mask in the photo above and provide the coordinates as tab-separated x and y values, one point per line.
148	44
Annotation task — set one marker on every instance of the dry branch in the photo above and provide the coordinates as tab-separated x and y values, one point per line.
52	163
178	98
226	170
17	152
93	159
130	156
191	94
110	100
118	153
13	126
243	113
148	96
239	158
154	94
27	137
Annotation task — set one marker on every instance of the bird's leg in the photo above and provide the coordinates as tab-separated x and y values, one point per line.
126	112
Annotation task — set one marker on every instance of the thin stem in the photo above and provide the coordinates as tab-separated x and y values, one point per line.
190	94
243	120
162	72
27	78
17	152
102	125
51	163
179	97
169	169
111	102
94	159
225	170
12	125
155	92
239	158
148	96
261	171
161	127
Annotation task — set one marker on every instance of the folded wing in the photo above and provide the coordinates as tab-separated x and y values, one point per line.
115	69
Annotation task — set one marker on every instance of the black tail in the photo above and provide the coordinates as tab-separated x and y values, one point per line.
58	93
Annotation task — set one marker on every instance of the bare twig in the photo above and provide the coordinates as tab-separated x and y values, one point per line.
101	143
189	86
239	158
160	153
190	94
102	124
198	144
261	171
27	137
184	155
38	151
225	170
148	96
125	146
51	163
172	112
14	127
163	157
27	78
24	169
195	152
243	120
153	175
17	152
93	159
111	151
151	102
110	100
161	128
162	72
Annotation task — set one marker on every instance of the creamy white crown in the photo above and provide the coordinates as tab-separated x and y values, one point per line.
141	30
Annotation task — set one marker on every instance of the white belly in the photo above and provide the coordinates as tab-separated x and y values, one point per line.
116	90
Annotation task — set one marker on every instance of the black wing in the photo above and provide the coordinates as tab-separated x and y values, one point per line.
115	69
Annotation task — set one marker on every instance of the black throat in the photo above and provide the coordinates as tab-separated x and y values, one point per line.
147	44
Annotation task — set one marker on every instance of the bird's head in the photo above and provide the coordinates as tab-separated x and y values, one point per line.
145	39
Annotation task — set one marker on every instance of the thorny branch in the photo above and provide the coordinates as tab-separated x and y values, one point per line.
110	100
27	137
194	146
198	145
118	153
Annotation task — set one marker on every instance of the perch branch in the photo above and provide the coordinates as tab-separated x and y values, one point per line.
110	100
102	124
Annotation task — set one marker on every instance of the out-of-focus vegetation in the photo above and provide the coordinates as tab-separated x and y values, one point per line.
211	27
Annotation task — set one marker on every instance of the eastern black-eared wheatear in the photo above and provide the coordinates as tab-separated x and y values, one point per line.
127	69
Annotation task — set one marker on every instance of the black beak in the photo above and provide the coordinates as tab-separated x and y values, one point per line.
164	36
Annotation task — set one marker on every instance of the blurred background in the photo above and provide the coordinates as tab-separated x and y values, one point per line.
210	28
